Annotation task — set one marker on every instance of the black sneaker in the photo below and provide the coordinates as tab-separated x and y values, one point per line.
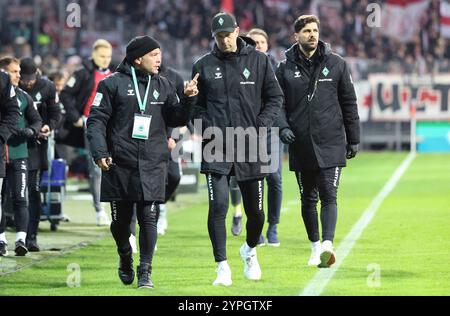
144	281
236	227
272	236
32	244
3	249
125	271
20	249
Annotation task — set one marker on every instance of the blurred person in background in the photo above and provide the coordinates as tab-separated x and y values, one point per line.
46	100
16	184
274	188
9	116
77	97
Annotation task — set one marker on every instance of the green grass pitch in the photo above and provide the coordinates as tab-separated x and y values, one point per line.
406	245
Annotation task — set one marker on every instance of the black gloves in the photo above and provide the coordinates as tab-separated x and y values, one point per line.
26	133
352	150
287	136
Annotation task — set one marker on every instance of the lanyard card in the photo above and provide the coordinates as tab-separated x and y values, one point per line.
141	127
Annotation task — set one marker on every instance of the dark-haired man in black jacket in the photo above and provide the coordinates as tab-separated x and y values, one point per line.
320	122
237	90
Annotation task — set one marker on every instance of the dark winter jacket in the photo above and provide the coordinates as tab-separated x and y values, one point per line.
9	115
74	97
236	90
29	118
320	108
140	171
46	101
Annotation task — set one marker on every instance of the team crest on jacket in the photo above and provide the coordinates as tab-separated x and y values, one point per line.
325	71
155	94
246	73
297	74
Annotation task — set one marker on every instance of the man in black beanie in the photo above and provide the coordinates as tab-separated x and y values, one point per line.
126	130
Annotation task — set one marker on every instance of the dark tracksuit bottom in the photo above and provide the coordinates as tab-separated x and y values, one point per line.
35	204
15	186
173	180
321	183
274	195
274	187
147	216
218	196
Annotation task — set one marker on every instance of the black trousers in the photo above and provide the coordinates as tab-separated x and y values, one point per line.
15	187
173	180
147	216
35	203
218	195
321	183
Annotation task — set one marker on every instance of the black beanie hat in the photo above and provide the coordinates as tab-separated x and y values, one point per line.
139	46
28	69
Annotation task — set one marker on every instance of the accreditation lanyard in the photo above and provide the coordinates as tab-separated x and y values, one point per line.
141	126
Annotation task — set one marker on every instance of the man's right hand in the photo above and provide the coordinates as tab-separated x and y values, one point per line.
105	163
287	136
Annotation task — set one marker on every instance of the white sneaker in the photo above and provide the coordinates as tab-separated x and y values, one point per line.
316	249
223	274
162	224
252	271
133	244
327	256
102	219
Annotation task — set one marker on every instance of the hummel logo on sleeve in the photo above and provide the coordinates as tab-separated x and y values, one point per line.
98	99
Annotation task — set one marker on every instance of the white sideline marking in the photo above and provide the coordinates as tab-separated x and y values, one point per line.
321	279
79	197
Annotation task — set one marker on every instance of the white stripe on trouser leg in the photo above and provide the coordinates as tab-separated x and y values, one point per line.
211	191
336	177
260	196
114	210
299	181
